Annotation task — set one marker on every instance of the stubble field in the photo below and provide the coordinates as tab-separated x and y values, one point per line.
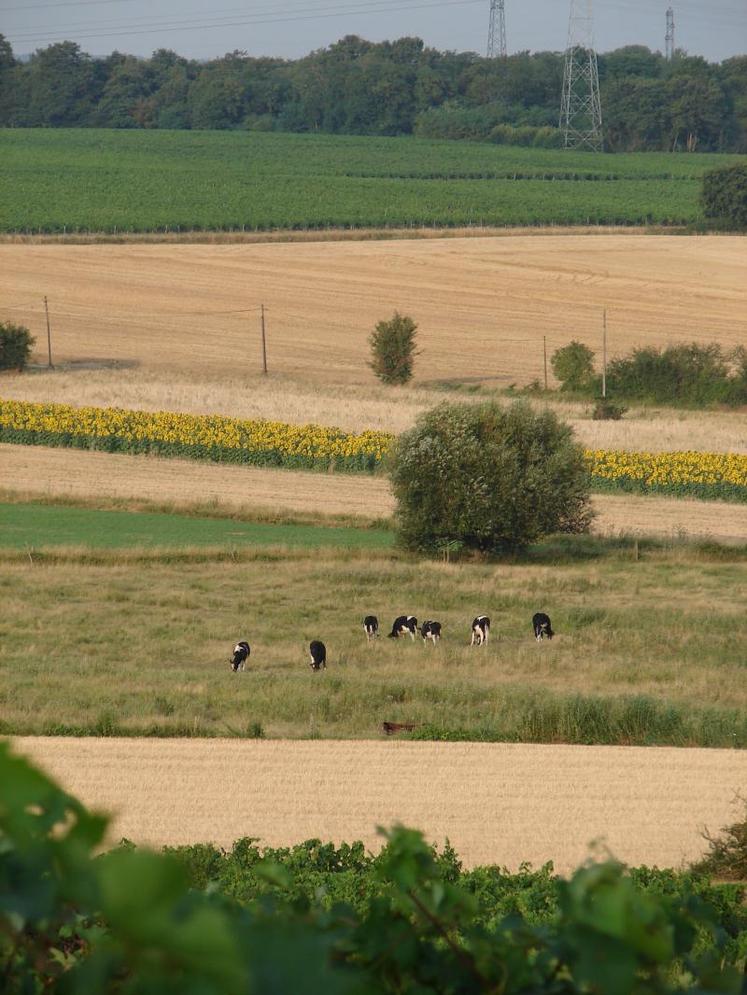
483	305
109	480
502	804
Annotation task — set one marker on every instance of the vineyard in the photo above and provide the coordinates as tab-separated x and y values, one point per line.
314	447
118	181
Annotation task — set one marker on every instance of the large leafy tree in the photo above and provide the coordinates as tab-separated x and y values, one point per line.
489	478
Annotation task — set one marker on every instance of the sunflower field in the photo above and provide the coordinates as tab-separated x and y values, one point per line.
709	476
205	437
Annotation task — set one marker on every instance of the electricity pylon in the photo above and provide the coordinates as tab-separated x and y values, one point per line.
581	107
497	30
670	34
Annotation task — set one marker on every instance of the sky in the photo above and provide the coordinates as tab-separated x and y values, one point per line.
716	29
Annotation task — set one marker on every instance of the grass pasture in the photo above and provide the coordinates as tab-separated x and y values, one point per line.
31	526
648	652
70	180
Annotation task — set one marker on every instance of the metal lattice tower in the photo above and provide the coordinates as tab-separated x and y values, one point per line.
670	34
581	107
497	30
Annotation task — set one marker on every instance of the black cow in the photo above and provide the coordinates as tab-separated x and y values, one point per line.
403	624
318	655
241	653
371	627
480	630
432	631
542	627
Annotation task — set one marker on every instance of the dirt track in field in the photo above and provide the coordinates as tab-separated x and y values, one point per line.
74	473
496	803
483	305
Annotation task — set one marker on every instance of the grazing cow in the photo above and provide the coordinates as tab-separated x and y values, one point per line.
403	624
241	653
371	627
432	631
318	655
480	630
542	627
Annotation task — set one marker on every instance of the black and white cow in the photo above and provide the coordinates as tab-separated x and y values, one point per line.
371	627
241	653
318	653
542	627
430	630
480	630
403	624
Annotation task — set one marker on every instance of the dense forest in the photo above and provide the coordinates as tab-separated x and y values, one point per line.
392	88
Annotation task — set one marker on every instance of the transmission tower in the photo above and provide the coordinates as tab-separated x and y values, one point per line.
497	30
581	107
670	34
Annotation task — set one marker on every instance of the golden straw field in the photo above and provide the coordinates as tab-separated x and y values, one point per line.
357	407
36	472
483	305
496	803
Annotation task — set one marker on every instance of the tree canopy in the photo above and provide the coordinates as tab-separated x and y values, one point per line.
396	87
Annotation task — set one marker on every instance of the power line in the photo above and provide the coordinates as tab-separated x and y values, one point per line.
141	29
68	3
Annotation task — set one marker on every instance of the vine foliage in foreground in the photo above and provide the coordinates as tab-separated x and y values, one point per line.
127	923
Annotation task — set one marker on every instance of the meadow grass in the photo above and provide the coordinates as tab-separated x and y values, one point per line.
32	525
105	642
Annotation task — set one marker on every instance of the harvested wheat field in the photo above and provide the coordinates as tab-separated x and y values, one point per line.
483	305
496	803
30	472
358	407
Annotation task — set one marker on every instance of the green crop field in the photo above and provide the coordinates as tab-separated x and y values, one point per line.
30	526
69	180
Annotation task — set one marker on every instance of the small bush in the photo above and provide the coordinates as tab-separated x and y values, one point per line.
727	856
724	197
393	349
573	366
488	477
605	410
16	342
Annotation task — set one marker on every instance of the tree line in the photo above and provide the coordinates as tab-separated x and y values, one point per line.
400	87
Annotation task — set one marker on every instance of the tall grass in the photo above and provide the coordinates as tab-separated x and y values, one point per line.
137	643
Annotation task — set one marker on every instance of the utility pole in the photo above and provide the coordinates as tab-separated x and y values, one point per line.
581	106
670	34
497	30
49	334
264	341
544	347
604	356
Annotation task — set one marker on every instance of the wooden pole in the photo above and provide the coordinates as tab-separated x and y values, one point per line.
604	357
264	340
49	334
544	347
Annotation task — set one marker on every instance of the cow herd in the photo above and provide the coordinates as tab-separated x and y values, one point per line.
403	625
